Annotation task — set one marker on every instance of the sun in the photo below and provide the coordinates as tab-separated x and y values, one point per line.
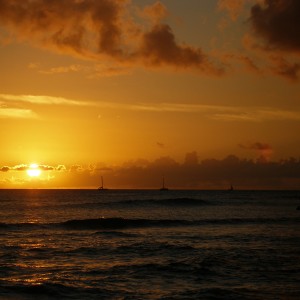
33	170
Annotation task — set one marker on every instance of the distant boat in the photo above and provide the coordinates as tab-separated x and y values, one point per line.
102	186
230	188
164	188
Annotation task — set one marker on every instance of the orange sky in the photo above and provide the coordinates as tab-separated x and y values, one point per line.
132	89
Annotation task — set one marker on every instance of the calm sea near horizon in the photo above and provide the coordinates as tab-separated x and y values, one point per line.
147	244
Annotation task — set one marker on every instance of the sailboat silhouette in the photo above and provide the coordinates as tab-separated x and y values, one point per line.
102	186
163	188
230	188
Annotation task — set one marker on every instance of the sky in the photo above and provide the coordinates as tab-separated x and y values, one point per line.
204	93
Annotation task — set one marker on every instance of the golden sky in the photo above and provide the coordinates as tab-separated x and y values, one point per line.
133	89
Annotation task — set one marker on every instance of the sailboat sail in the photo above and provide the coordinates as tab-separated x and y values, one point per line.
164	188
102	186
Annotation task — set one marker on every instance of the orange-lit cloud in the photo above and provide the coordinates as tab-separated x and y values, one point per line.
24	167
9	112
9	105
76	168
60	70
233	7
155	12
222	112
21	167
41	99
93	29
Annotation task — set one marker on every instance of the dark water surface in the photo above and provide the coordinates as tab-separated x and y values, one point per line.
89	244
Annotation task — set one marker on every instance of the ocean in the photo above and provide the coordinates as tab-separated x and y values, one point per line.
147	244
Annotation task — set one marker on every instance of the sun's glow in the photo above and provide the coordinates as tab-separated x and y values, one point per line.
33	170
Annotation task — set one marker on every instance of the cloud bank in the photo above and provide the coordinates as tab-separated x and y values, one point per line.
190	174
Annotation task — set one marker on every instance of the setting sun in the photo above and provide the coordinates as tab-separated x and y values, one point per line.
33	170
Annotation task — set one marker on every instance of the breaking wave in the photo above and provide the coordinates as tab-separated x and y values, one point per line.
123	223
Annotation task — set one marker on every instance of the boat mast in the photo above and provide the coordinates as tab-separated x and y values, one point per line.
101	187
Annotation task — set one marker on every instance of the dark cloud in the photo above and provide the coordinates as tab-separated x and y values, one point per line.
274	42
60	168
65	24
257	146
285	69
95	29
191	159
159	47
278	23
160	145
264	150
208	173
4	169
103	169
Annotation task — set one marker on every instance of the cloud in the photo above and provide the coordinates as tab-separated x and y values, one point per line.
277	22
233	7
256	114
6	112
271	44
284	68
21	167
160	145
4	169
46	168
76	168
215	112
60	168
159	47
43	100
221	112
24	167
192	173
7	100
61	70
275	36
246	61
264	150
155	12
257	146
64	25
103	29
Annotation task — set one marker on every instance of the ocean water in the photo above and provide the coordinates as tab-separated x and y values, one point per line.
135	244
